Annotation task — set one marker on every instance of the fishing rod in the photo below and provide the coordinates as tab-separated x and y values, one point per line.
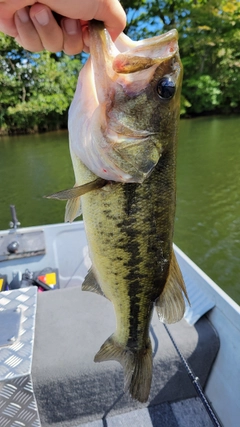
195	382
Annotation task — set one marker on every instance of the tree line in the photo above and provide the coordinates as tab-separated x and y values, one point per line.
37	88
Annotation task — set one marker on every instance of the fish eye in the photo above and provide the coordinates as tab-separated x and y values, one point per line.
166	88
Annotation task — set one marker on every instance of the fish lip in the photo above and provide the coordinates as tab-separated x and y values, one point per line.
124	40
159	39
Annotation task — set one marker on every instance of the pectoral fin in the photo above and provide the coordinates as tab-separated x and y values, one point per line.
73	209
170	305
90	284
78	191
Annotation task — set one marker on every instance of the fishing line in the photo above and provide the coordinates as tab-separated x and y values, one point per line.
155	341
195	382
104	417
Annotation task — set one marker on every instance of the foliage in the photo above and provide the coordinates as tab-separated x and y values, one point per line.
209	44
36	89
209	39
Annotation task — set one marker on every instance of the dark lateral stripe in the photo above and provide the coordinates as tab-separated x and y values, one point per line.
134	275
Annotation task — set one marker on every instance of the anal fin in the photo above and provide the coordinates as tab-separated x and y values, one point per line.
137	365
170	305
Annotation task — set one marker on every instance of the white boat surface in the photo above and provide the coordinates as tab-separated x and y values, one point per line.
24	369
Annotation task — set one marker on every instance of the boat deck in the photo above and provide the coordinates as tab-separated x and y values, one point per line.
72	390
70	326
186	413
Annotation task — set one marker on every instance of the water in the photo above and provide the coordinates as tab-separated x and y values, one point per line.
208	182
208	202
32	166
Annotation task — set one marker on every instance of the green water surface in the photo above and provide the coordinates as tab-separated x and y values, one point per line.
208	186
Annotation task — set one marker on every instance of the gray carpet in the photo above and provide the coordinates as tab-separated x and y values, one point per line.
71	389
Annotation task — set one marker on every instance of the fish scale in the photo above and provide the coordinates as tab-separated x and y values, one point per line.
130	243
123	148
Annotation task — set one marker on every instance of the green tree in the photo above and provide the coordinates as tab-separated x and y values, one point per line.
209	43
36	89
209	36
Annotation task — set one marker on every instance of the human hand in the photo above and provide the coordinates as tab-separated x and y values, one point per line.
34	26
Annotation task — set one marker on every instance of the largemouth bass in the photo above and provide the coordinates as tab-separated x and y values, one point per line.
123	130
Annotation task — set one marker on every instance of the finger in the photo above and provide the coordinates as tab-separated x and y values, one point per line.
8	27
48	30
108	11
85	35
113	16
72	36
27	35
9	7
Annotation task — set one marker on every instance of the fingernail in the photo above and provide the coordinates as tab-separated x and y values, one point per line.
42	17
23	15
71	26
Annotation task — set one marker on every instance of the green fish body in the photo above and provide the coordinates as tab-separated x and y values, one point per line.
129	216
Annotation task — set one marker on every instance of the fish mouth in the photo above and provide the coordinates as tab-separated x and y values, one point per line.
144	54
114	145
125	57
131	65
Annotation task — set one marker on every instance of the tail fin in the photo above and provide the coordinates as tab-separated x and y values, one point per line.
137	366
